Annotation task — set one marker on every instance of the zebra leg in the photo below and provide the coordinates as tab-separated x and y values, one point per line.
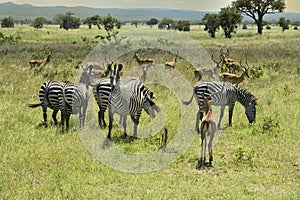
221	116
45	115
54	117
230	110
124	124
111	119
67	122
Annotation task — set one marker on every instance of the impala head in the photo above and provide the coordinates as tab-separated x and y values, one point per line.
114	74
217	63
245	69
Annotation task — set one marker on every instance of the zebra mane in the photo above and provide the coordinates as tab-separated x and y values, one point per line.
245	93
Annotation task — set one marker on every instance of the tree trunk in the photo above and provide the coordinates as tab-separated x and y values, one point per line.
259	25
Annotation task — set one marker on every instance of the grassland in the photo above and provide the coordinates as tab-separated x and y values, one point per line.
261	161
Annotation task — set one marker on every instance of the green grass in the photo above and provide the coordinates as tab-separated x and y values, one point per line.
260	161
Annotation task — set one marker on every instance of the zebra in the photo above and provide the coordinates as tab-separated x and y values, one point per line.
102	91
222	94
74	100
128	98
49	98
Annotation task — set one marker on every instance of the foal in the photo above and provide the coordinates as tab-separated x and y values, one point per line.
207	129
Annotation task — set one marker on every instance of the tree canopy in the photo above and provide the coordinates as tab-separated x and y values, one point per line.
228	19
257	9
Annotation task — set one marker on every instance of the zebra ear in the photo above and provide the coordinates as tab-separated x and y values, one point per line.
120	67
109	68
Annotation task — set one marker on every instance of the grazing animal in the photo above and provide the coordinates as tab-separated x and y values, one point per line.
230	64
171	64
207	71
234	78
38	63
102	92
49	98
223	94
207	129
143	61
127	98
74	100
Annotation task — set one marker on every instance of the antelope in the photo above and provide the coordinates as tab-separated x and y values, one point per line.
98	71
38	63
171	64
234	78
142	61
230	64
200	72
207	129
140	78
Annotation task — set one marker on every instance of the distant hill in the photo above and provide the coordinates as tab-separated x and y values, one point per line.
27	11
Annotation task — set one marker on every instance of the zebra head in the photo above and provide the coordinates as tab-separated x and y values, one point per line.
114	74
250	111
150	107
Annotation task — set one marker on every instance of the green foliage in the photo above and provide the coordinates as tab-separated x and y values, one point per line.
38	22
270	125
211	22
7	22
258	9
229	18
67	21
283	23
152	22
9	39
183	25
244	157
167	23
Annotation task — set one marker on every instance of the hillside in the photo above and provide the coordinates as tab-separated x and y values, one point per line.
27	11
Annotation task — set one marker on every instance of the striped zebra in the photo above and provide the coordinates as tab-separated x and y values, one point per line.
49	98
102	91
74	100
128	98
222	94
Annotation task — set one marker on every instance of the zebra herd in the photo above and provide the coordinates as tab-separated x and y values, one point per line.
65	97
125	97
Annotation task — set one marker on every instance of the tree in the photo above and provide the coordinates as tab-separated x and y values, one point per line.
211	22
109	23
229	18
7	22
152	22
38	22
183	25
134	23
283	23
67	21
257	9
94	20
167	23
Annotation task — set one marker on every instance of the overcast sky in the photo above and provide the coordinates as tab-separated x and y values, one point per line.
202	5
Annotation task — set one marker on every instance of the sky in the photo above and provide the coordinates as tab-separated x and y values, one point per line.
201	5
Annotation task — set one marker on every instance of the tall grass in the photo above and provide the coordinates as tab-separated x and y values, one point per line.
260	161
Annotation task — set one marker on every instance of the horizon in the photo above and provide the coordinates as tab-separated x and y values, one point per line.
196	5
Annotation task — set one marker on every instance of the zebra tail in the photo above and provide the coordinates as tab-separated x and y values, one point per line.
188	102
34	105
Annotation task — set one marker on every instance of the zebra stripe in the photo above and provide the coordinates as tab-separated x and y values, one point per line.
102	93
74	100
127	98
222	94
49	98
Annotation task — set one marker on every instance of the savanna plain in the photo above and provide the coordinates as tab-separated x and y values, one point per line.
258	161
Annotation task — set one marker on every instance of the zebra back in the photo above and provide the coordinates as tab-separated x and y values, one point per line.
74	97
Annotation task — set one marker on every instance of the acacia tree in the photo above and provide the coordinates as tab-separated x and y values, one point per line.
7	22
211	22
229	18
38	22
257	9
